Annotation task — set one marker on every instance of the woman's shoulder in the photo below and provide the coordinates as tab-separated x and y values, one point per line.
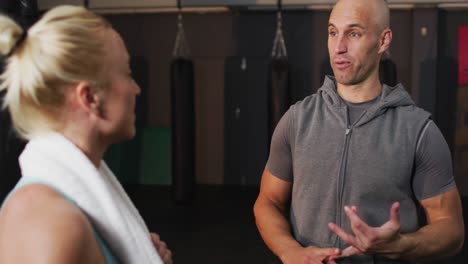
38	224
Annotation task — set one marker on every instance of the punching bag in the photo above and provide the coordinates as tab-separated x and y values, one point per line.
183	121
279	97
183	130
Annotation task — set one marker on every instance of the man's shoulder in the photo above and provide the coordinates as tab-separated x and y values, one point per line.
413	112
404	103
306	103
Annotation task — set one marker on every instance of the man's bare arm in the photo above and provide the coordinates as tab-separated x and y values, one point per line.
270	216
444	234
442	237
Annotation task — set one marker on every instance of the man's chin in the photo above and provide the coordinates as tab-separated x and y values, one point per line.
344	80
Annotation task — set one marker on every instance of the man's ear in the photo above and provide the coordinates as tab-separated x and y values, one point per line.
87	97
385	40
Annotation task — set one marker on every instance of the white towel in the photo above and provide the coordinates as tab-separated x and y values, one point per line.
55	160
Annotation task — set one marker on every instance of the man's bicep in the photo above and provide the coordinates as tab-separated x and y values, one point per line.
275	190
433	165
443	206
280	157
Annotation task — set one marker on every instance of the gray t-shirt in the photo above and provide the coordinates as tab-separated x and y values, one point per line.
433	166
355	110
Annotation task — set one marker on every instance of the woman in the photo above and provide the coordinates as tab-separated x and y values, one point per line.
71	94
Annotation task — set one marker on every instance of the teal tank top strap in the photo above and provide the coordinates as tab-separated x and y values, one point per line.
108	256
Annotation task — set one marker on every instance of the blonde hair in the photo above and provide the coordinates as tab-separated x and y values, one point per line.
59	50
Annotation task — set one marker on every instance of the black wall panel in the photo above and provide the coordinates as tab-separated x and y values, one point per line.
401	47
447	70
209	117
424	58
447	89
151	37
215	36
255	32
246	126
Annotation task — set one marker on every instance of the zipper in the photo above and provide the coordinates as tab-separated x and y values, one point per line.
342	172
341	179
341	176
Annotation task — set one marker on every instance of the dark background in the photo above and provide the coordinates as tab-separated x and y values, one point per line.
231	151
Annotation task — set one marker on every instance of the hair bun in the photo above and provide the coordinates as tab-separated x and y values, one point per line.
11	35
21	39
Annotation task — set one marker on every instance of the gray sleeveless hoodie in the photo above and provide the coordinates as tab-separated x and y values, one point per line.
368	164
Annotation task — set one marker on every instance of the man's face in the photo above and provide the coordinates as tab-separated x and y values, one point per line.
353	42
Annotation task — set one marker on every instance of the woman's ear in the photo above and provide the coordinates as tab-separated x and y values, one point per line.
88	99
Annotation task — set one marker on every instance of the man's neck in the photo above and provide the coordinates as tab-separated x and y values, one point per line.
361	92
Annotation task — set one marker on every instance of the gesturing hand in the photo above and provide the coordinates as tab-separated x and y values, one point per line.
381	240
310	255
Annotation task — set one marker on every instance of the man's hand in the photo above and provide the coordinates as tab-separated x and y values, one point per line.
310	255
161	247
381	240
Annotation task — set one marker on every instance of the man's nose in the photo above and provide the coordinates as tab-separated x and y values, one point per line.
340	45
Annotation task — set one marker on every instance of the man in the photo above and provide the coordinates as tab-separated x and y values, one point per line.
357	165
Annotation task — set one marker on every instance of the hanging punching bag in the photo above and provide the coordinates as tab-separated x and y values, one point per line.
278	93
279	97
183	130
183	121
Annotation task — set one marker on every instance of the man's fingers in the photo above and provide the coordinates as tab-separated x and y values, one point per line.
347	252
395	213
347	238
330	259
350	251
360	228
324	253
394	221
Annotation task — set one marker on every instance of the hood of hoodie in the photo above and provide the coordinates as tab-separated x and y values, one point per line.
391	97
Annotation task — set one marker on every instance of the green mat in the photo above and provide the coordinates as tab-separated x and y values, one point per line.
146	159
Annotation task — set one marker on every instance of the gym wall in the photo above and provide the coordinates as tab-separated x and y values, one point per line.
426	65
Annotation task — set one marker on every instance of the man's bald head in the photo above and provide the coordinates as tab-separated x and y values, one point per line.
358	35
375	12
